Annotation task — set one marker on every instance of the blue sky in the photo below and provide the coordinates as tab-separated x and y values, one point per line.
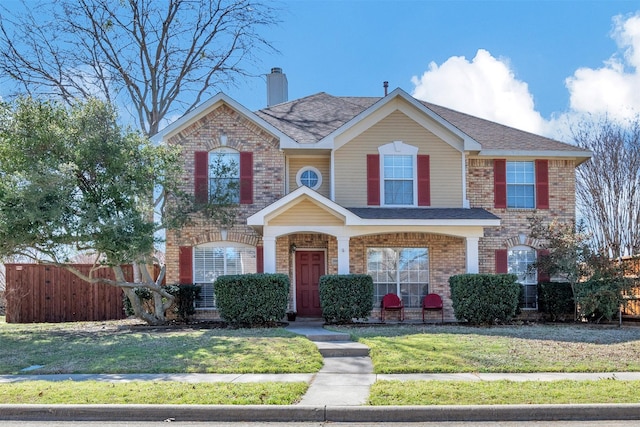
507	61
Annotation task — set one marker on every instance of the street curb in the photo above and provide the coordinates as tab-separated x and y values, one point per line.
293	413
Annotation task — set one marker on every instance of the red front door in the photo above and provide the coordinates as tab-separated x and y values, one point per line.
309	268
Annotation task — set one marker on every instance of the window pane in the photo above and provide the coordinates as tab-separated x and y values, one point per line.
211	262
520	185
224	177
522	264
398	192
402	271
309	178
520	196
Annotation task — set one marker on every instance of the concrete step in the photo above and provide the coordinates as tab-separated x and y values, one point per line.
327	336
342	349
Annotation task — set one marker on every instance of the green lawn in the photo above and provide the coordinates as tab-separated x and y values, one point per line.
503	392
539	348
120	347
148	392
110	347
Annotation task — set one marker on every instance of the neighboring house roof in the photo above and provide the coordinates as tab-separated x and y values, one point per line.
310	119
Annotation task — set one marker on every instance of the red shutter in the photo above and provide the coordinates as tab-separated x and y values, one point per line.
424	181
259	259
373	179
542	184
246	178
185	265
543	276
502	263
500	183
201	176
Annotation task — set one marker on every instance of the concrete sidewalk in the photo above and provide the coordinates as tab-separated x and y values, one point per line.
337	393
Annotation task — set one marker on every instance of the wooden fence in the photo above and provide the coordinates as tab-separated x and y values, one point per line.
631	267
42	293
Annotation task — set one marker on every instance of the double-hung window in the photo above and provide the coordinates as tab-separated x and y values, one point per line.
399	178
217	259
224	176
521	185
402	271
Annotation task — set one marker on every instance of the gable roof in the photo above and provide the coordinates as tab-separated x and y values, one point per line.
310	119
204	108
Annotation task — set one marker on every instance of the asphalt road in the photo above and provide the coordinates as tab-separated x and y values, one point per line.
616	423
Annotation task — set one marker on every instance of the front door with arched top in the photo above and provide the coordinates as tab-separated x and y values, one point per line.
310	265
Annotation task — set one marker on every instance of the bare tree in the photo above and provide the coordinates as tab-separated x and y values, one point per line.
157	58
608	186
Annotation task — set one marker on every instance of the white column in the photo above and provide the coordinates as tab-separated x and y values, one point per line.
343	255
269	254
473	264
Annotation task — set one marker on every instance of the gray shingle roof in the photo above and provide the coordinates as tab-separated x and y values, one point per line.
423	213
309	119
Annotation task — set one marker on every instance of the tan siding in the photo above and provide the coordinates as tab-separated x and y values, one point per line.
306	213
350	161
320	163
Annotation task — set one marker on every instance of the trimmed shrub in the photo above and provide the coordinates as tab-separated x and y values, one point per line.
484	298
555	300
252	299
344	297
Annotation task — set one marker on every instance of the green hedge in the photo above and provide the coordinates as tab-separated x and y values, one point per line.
484	298
252	299
555	300
344	297
600	299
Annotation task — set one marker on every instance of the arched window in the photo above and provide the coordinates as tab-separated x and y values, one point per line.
521	262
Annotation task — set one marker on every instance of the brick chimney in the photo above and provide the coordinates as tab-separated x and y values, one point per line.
277	87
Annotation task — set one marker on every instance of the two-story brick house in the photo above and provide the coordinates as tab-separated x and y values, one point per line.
404	190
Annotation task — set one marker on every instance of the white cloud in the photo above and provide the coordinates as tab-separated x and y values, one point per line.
613	89
485	87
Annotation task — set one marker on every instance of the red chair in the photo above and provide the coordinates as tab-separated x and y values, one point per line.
432	302
391	302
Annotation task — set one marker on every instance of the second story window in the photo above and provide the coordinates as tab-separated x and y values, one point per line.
520	185
398	175
224	176
310	177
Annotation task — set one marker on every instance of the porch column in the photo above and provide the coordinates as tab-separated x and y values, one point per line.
343	254
473	265
269	254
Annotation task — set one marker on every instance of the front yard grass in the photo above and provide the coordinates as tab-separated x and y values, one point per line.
503	392
148	392
120	348
537	348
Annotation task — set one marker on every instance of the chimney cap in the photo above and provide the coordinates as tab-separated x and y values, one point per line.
276	70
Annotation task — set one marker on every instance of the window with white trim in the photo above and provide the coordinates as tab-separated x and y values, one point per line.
217	259
521	262
399	178
224	176
310	177
521	185
402	271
